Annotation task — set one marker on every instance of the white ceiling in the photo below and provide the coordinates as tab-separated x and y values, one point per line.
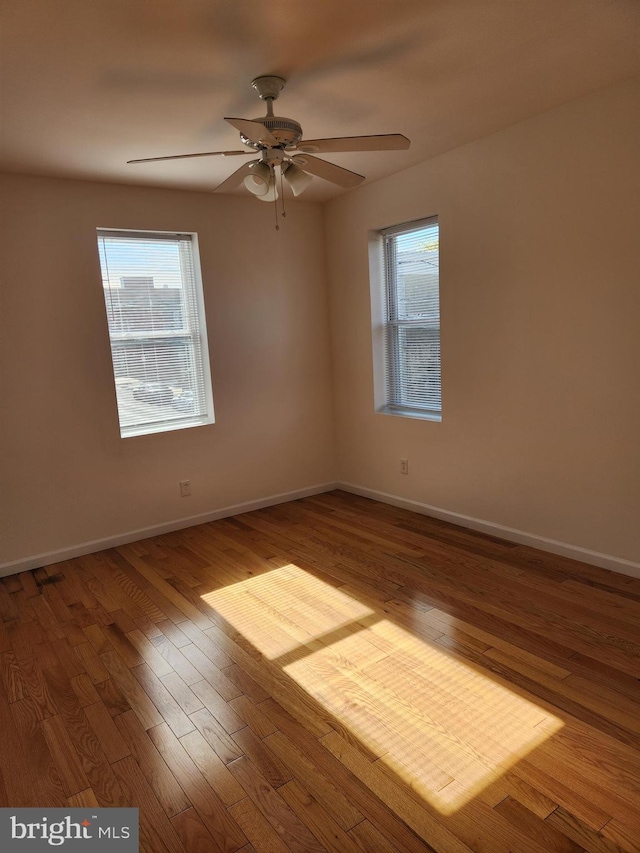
89	84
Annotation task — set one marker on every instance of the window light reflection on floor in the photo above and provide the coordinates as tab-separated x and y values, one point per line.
438	724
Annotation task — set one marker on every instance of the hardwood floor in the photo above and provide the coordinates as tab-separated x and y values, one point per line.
329	674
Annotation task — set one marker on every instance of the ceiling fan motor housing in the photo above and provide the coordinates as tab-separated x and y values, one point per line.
286	130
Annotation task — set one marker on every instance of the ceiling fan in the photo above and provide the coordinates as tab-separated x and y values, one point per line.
279	143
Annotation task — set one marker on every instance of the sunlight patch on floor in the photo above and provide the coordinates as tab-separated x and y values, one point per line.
284	608
442	726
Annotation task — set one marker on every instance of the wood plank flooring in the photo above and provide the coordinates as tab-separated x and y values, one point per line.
331	674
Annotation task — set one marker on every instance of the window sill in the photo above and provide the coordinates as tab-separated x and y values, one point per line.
136	432
422	415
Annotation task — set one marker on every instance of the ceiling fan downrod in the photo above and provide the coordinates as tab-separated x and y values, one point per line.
268	88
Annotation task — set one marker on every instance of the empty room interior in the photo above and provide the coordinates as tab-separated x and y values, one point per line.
320	461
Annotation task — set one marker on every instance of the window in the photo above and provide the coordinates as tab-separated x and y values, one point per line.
411	320
155	312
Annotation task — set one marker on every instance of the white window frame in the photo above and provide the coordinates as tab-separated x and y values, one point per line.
387	326
195	335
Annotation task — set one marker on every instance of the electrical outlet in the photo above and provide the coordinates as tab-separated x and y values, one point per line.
404	466
185	488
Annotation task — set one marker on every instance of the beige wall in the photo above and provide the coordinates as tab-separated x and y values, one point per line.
68	478
540	329
540	337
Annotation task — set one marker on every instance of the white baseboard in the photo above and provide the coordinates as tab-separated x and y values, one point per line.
604	561
594	558
38	560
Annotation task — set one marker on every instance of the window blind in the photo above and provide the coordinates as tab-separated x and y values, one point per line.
412	327
155	314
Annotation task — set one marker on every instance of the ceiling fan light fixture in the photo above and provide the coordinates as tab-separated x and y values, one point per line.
272	191
259	180
296	178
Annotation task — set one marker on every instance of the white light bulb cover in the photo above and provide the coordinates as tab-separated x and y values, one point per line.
258	181
272	191
296	178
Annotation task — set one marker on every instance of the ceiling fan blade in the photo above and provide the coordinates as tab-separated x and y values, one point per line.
328	171
186	156
253	130
380	142
236	178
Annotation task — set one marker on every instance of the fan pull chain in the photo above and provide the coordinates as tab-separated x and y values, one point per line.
284	213
273	182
